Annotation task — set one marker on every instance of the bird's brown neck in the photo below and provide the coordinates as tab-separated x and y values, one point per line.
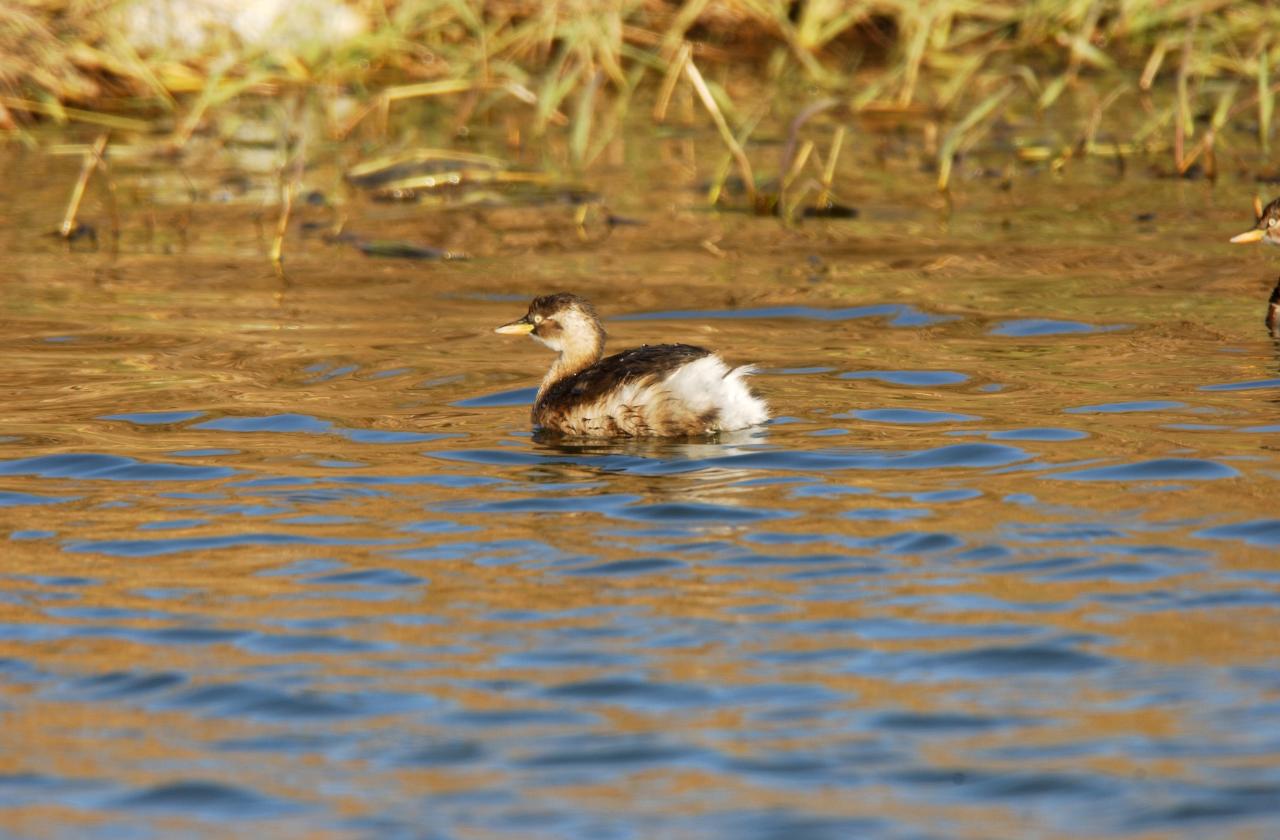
572	360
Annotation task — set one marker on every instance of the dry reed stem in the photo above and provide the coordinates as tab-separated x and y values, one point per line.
113	204
829	170
943	54
282	223
680	24
924	20
1265	102
669	82
787	203
802	157
1095	119
92	159
61	112
799	122
288	185
959	132
1182	124
735	149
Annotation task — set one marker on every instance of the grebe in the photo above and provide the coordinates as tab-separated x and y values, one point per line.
662	390
1267	229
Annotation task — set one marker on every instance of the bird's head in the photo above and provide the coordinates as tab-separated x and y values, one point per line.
1267	228
566	323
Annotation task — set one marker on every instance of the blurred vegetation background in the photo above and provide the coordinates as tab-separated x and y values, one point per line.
1180	72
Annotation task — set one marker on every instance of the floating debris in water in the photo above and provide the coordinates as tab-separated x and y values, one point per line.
383	171
396	249
81	232
438	176
830	210
401	250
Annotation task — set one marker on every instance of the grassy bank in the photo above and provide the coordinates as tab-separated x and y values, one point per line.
953	67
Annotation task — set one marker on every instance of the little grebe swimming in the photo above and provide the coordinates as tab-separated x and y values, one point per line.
664	390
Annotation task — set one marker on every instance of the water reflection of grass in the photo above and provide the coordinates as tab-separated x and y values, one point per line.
953	66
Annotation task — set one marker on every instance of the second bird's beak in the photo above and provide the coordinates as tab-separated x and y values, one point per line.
521	327
1254	235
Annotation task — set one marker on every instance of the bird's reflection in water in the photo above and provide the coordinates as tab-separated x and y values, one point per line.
723	445
708	460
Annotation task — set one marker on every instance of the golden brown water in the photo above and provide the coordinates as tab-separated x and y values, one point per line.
284	560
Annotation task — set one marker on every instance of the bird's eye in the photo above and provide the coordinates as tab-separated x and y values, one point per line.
1273	221
537	319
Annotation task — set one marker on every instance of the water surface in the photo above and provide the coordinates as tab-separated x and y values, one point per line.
284	558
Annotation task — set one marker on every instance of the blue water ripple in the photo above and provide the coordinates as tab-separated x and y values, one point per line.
907	416
698	512
8	499
296	423
632	692
601	752
627	568
155	548
1001	662
1126	407
900	315
1160	469
884	514
1260	532
211	800
500	399
385	436
109	468
918	378
1033	327
1247	385
33	534
1038	434
154	418
962	455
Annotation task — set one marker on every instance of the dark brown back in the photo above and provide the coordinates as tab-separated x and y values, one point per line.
650	361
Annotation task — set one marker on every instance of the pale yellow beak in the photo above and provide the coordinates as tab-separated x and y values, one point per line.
1254	235
521	327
